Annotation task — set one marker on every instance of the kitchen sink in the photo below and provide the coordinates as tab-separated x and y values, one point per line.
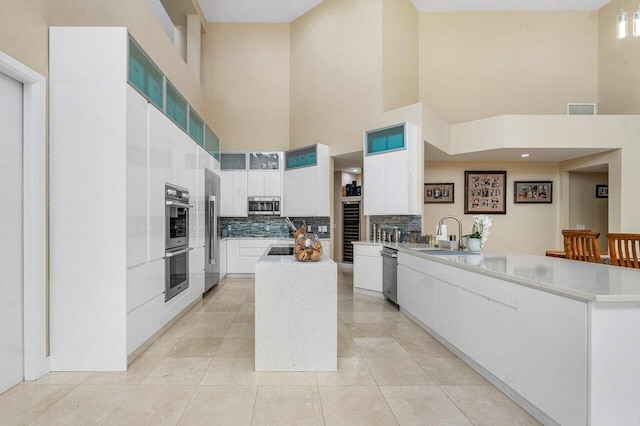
443	252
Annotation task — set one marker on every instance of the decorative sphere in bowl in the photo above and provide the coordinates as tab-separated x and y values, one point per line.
308	248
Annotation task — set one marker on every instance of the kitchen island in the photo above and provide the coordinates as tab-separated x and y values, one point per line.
296	313
560	337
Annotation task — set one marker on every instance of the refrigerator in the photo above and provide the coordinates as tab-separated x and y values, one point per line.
211	232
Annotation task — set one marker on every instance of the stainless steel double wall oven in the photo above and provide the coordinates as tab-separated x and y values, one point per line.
176	263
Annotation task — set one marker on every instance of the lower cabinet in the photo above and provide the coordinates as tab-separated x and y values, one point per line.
242	254
552	355
223	258
533	341
367	267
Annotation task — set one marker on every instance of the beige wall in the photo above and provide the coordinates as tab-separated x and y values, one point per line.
336	83
619	62
585	208
525	228
482	64
399	54
246	80
24	34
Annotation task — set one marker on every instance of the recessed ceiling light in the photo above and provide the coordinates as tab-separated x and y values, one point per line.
355	170
524	155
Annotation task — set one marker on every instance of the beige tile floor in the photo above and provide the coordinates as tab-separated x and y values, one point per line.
201	372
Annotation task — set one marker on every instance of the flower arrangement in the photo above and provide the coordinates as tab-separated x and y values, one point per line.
481	225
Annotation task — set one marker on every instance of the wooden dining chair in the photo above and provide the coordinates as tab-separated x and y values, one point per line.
581	245
624	249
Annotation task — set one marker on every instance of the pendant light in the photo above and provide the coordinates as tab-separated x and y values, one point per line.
636	23
622	24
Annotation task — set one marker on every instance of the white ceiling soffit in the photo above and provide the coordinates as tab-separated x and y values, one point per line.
486	5
262	11
513	154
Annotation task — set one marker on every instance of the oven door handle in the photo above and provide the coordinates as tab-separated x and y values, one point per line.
175	253
173	203
388	256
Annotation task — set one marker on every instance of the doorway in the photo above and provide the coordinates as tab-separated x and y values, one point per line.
589	202
23	167
11	302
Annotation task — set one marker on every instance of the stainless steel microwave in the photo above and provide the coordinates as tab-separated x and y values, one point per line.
268	206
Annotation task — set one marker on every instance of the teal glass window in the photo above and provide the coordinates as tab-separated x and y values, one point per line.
211	143
303	157
387	139
196	127
144	75
177	107
233	161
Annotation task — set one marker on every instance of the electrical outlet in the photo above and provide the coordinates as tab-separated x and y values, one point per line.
309	228
267	228
581	226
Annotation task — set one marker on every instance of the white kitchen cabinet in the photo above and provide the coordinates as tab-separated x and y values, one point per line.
417	294
108	143
137	179
264	183
449	312
391	176
502	341
306	188
367	267
223	258
233	193
424	293
243	253
552	354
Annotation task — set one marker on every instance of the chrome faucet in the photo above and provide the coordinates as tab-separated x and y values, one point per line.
439	230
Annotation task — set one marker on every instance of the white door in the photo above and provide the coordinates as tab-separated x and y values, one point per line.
11	302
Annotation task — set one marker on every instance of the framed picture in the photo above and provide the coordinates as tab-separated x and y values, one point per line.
440	193
602	191
485	192
532	192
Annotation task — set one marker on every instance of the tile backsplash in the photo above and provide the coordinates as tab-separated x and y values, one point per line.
406	224
270	227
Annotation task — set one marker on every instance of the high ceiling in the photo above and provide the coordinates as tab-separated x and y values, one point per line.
288	10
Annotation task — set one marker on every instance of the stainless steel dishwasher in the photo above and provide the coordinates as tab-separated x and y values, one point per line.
390	273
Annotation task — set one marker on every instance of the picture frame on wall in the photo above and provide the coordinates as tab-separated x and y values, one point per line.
439	193
532	192
485	192
602	191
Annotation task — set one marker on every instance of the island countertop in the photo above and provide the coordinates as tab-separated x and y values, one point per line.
582	280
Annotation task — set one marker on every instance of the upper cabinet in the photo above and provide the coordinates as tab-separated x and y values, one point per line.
265	174
390	183
306	181
233	185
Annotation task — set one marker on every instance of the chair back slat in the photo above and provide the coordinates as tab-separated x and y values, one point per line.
624	249
581	245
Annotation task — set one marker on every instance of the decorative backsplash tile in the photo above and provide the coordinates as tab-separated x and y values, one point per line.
406	224
269	227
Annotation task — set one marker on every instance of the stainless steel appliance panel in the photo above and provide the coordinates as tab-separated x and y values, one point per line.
269	206
212	234
176	271
176	217
390	274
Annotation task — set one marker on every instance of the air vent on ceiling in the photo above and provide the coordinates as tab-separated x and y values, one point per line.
581	109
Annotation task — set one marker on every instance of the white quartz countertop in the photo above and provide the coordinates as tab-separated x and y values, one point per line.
582	280
289	260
